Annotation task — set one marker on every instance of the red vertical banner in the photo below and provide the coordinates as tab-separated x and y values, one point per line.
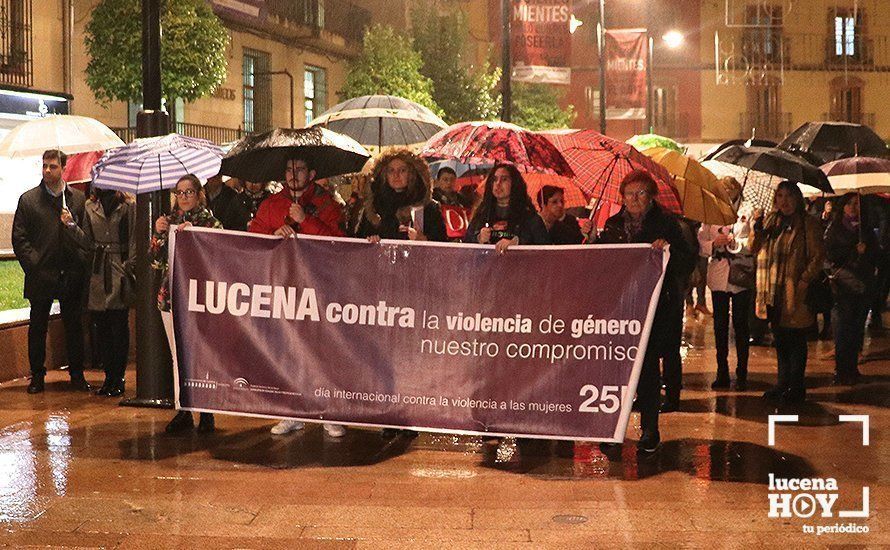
540	41
626	74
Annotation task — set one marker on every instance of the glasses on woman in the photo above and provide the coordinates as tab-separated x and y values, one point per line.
641	194
185	193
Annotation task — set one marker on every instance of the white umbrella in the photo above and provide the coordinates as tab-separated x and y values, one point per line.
69	133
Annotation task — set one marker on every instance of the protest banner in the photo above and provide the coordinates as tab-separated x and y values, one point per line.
543	341
626	88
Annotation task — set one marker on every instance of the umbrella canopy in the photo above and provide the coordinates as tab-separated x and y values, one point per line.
835	140
378	121
490	142
859	174
68	133
155	163
79	167
703	197
776	162
746	142
263	157
758	189
600	163
648	141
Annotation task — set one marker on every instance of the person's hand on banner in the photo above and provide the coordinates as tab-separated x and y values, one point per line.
484	235
182	226
285	231
374	239
659	244
297	213
503	244
413	234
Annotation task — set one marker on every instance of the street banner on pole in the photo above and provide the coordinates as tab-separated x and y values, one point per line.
541	43
626	73
540	342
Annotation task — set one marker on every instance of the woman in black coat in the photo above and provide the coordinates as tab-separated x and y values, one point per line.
643	220
852	250
506	215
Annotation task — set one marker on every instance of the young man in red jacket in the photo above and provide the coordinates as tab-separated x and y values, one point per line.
304	207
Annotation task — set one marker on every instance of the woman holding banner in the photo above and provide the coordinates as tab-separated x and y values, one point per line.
189	208
398	201
643	220
506	215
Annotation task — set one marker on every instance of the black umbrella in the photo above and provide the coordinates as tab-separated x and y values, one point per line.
712	152
835	140
263	157
776	162
382	121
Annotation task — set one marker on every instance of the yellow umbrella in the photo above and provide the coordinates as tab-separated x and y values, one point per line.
703	197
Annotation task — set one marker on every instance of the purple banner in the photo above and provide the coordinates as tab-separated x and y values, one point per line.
543	341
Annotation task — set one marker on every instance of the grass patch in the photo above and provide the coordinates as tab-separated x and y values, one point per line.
12	281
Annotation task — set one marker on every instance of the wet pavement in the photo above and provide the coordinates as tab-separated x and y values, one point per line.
78	471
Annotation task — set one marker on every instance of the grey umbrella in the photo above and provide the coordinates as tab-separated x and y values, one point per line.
835	140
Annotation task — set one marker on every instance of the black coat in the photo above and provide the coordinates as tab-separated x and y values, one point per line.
658	224
840	251
47	249
530	230
230	209
433	225
566	231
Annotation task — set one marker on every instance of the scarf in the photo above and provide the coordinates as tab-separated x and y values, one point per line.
780	234
633	226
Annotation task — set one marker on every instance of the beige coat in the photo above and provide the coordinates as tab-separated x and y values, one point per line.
106	267
801	268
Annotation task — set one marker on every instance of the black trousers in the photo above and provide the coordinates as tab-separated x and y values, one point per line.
791	352
72	320
113	341
649	391
850	312
670	341
741	304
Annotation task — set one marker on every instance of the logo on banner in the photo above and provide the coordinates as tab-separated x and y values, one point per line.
817	497
626	89
541	41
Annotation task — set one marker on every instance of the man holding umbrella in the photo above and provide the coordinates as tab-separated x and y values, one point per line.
305	207
302	206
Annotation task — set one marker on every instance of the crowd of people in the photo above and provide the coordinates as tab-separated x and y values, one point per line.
776	266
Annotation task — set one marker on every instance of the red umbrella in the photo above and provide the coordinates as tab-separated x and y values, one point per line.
600	163
490	142
77	168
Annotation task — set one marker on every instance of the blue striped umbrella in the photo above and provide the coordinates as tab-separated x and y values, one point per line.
152	164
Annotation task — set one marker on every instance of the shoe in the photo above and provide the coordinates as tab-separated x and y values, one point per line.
649	442
103	390
721	383
286	426
774	393
334	430
181	422
794	396
206	424
669	406
610	448
79	383
741	383
116	390
36	385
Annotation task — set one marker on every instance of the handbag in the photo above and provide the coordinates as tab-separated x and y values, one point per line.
743	271
844	282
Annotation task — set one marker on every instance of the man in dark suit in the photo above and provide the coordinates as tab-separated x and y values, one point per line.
44	244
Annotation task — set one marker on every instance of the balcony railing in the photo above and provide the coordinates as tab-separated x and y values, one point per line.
215	134
335	16
773	126
16	46
867	119
862	52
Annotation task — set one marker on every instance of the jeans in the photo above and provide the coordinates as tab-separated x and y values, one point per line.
741	303
72	313
113	340
850	312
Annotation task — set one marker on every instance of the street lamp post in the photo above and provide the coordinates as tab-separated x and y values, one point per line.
601	43
154	370
506	64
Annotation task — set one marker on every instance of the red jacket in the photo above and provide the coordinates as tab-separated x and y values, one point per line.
324	216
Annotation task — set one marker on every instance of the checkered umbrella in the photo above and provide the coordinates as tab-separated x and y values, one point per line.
758	188
600	163
155	163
